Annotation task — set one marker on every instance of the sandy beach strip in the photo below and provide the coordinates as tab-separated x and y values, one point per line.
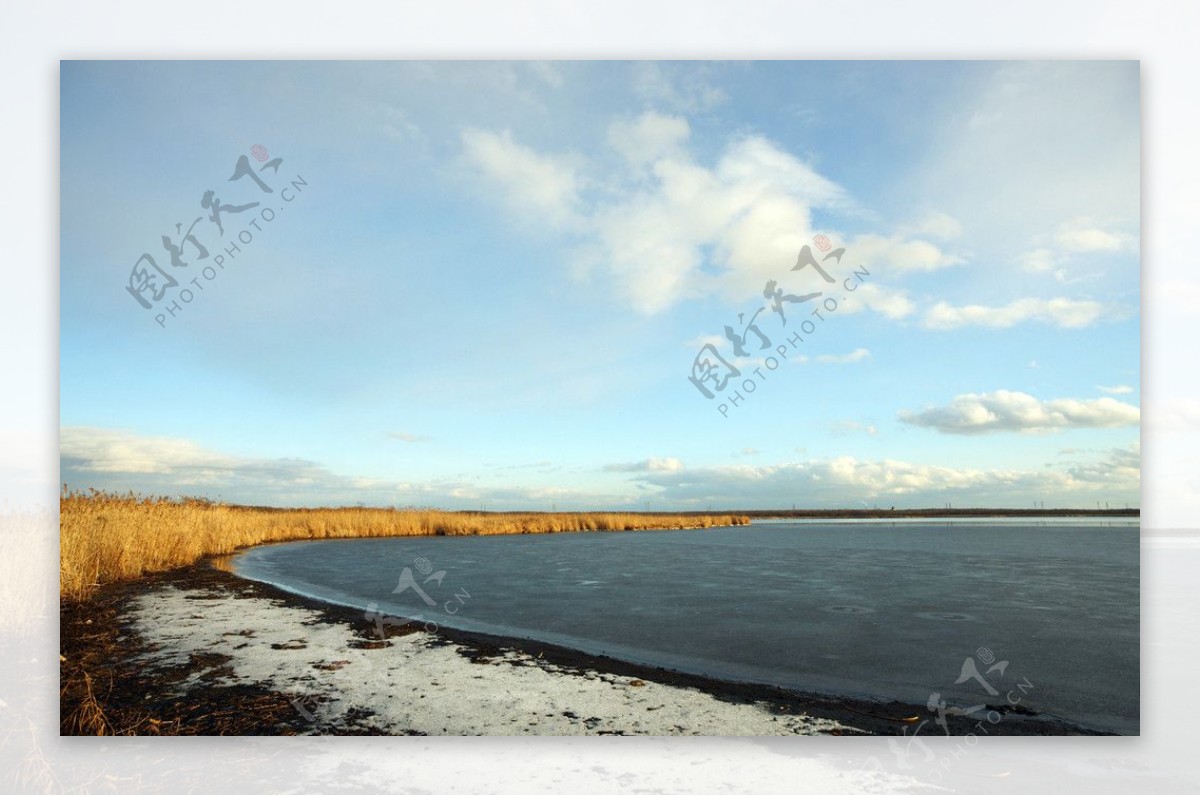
340	680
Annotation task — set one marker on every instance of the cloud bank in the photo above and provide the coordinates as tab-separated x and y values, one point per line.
122	461
1005	410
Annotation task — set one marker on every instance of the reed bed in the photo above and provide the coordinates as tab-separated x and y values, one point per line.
106	538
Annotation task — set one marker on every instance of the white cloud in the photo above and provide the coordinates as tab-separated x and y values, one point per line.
651	465
1005	410
857	355
1063	277
98	450
1118	389
847	481
543	186
1079	236
898	255
749	363
548	72
648	137
121	461
1121	465
891	303
404	436
394	123
701	340
843	427
1062	312
686	90
1082	235
1040	260
938	225
663	227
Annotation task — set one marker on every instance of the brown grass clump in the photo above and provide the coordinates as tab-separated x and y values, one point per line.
88	716
106	538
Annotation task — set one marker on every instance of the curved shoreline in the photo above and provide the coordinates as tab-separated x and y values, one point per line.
112	639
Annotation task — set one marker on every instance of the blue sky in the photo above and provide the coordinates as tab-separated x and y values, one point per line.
491	281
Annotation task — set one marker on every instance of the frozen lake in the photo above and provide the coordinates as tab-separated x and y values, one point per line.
863	609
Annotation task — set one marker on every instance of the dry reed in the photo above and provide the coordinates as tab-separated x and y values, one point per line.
106	538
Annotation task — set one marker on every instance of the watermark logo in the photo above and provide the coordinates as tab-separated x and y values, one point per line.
331	715
712	371
205	246
932	766
311	708
408	582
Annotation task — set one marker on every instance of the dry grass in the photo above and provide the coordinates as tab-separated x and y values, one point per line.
88	717
106	538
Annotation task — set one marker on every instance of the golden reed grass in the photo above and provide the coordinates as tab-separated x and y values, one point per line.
106	538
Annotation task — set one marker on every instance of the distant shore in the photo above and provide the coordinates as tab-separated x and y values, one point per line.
877	513
834	514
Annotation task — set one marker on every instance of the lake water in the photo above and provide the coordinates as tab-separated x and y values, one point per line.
860	609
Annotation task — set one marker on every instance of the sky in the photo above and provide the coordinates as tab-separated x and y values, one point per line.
497	285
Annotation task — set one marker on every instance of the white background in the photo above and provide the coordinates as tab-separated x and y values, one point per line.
1163	36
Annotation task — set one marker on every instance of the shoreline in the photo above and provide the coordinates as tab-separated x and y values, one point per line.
934	514
105	538
130	663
